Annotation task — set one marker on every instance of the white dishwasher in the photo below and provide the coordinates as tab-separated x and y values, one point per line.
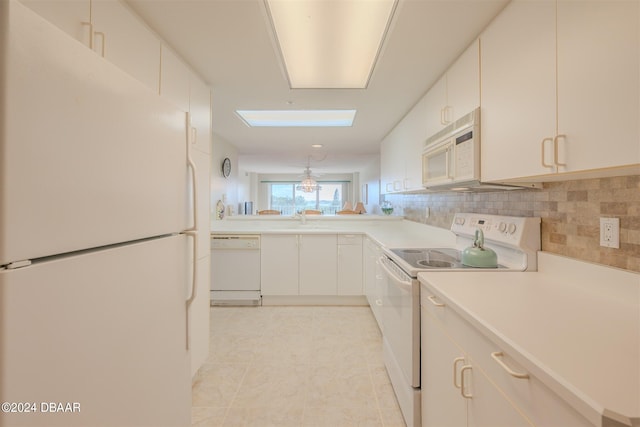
235	269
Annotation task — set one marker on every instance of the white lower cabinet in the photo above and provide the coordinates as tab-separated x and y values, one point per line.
455	392
279	264
372	277
442	403
499	392
311	264
318	264
350	264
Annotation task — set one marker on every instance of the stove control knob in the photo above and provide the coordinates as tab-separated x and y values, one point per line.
512	228
502	227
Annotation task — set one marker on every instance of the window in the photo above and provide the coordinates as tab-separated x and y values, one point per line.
284	197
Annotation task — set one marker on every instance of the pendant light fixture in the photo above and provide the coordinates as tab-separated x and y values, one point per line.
308	184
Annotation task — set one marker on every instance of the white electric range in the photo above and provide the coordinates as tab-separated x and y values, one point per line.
515	240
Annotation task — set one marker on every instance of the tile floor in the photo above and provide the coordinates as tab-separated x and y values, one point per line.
294	366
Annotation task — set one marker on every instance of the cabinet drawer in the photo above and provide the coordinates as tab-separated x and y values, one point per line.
349	239
539	403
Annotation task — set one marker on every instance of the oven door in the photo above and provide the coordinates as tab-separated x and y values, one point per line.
438	163
401	320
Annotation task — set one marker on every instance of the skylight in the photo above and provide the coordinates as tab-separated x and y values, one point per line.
297	118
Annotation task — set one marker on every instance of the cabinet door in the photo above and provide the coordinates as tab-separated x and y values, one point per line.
488	407
66	15
126	41
279	264
442	403
598	84
200	108
350	267
401	151
318	264
518	90
435	102
391	165
174	79
463	83
413	136
372	277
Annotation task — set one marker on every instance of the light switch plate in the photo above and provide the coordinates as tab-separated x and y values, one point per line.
610	232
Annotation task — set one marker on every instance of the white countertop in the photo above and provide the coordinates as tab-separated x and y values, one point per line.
387	231
572	324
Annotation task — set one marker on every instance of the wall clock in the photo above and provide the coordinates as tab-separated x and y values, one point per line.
226	167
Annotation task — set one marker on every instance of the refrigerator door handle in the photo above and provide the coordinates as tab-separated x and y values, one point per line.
192	167
193	231
194	274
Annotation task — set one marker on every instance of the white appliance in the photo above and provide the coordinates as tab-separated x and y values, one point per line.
451	158
235	269
97	242
516	241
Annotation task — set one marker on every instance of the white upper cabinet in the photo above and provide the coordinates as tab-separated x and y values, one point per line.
189	93
123	39
543	116
400	152
456	93
598	84
111	30
174	79
200	108
518	90
436	99
72	17
463	83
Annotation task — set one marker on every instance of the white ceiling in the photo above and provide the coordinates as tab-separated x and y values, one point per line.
228	42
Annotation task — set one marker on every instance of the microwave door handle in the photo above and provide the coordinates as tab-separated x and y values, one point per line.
447	160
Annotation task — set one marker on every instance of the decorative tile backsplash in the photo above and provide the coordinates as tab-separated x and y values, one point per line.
570	212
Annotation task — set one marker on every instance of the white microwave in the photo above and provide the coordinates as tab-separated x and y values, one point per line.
452	156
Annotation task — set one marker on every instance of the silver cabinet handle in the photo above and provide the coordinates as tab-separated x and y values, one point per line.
462	385
497	356
432	298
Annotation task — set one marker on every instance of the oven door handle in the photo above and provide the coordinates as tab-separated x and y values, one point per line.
402	284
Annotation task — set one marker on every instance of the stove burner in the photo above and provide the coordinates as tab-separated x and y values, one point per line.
434	258
434	263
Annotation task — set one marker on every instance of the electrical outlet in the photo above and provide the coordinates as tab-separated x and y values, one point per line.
610	232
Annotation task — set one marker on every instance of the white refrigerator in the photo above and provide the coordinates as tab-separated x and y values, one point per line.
96	238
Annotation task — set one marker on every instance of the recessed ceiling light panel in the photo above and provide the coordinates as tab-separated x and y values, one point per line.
297	118
330	43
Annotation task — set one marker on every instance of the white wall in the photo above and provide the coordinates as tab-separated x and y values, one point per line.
224	189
